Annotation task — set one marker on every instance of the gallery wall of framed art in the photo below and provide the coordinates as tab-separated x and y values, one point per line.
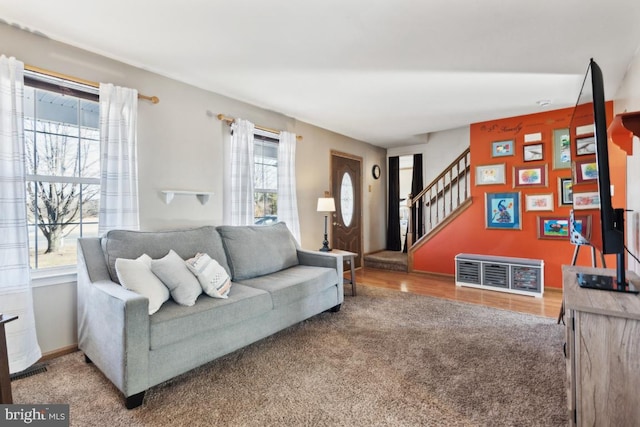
526	172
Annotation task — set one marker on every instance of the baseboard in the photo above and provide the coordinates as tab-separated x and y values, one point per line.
59	352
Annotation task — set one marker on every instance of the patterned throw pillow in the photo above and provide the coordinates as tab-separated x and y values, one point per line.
212	276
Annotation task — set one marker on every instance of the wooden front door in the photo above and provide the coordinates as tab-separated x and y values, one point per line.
346	189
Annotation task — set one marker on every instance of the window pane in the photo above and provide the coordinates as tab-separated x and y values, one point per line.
89	114
56	150
270	178
89	160
258	176
54	107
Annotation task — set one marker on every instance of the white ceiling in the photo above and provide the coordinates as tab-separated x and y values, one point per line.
382	71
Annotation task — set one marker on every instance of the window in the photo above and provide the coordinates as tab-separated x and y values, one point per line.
62	152
265	152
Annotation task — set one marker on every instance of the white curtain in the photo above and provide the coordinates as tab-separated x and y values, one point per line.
287	200
15	279
240	174
118	159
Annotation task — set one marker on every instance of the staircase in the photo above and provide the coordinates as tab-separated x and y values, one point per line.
440	201
438	204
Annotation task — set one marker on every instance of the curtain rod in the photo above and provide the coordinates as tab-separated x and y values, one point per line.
153	99
230	120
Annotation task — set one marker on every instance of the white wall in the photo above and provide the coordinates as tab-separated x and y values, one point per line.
180	147
627	99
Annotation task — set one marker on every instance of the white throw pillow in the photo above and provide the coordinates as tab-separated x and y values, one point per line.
212	276
173	272
136	275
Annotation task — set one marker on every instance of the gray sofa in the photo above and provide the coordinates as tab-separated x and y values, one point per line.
275	284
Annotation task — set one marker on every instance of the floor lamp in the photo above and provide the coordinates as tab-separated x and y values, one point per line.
326	205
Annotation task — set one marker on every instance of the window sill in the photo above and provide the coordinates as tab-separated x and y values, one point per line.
53	276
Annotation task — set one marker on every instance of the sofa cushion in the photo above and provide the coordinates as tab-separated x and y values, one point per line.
182	284
295	283
254	251
173	323
136	275
213	278
186	243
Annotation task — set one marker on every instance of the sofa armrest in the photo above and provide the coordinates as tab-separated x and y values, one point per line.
113	330
324	259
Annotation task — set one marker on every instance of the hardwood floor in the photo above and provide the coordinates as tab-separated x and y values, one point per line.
444	287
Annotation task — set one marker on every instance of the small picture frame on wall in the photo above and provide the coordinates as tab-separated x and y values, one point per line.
533	152
491	174
585	170
538	202
561	149
587	200
557	227
530	176
553	227
565	192
503	211
586	145
502	148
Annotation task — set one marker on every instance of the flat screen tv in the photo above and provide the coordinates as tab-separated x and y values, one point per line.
591	105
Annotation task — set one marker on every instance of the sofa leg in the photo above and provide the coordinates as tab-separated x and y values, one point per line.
134	401
86	359
335	309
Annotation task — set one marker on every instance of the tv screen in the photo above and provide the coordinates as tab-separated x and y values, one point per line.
589	127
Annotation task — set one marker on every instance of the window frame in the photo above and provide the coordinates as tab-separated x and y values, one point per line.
62	273
273	139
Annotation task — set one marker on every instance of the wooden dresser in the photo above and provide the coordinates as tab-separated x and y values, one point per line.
602	352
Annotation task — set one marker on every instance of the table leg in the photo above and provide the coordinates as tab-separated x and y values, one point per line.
5	378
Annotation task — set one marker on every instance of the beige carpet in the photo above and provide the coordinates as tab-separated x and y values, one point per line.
386	359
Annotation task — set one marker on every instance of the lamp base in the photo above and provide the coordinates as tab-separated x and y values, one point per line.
325	243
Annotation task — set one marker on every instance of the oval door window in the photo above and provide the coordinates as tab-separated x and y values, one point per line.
346	199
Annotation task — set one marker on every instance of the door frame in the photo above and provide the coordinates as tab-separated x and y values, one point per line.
360	160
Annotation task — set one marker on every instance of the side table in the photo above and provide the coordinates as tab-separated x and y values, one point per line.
349	258
5	378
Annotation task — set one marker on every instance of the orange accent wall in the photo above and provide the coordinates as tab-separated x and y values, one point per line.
468	233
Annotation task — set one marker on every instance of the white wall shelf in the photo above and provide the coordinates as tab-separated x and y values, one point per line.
202	196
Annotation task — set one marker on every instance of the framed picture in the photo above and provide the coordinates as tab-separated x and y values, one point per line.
491	174
533	152
565	191
585	170
553	227
588	200
561	149
530	176
586	145
557	227
538	202
503	211
502	148
533	137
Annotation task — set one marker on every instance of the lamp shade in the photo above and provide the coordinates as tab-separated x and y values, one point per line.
326	204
